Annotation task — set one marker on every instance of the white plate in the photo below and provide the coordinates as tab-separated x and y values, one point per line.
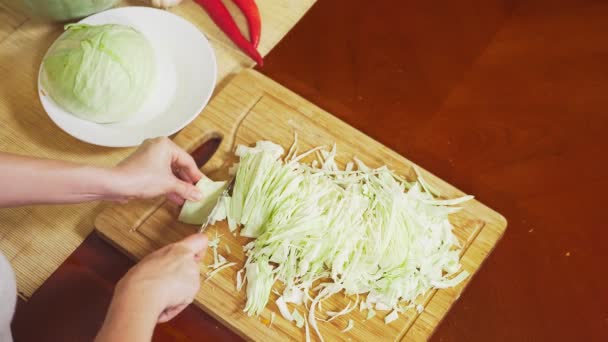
186	76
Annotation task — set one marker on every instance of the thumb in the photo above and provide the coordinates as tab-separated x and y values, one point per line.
185	190
197	243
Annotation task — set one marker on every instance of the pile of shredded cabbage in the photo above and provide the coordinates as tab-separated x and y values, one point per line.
321	230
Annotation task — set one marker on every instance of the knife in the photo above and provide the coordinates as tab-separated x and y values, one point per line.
226	193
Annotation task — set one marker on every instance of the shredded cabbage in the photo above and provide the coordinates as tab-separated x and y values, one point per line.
298	318
393	316
218	269
219	261
371	313
358	230
283	309
349	326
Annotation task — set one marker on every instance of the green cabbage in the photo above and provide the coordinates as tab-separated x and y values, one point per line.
196	212
99	73
60	10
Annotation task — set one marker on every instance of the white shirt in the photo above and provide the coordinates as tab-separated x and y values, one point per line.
8	298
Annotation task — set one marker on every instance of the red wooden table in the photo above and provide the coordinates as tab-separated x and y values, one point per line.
507	100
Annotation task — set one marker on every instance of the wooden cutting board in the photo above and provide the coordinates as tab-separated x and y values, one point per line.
250	108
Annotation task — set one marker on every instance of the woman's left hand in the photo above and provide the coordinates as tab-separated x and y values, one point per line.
158	167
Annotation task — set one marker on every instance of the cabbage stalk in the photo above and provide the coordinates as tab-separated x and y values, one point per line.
196	212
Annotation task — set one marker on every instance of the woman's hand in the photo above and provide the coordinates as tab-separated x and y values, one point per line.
155	290
169	278
158	167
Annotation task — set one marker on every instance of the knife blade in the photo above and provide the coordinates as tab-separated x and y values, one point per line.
227	192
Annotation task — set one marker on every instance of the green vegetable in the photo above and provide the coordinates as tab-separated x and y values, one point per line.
349	326
60	10
391	317
298	318
283	309
371	313
326	230
197	212
99	73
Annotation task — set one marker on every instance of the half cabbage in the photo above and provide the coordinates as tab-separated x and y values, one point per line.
99	73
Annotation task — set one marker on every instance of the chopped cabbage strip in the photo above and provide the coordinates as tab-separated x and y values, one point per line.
293	295
371	313
217	270
283	309
334	315
298	318
349	326
442	284
425	185
321	230
391	317
239	280
307	329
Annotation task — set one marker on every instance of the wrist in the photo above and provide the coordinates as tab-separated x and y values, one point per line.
115	185
130	317
136	294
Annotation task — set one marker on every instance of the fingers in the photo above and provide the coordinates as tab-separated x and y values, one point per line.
196	243
175	198
170	313
185	190
185	176
148	169
186	165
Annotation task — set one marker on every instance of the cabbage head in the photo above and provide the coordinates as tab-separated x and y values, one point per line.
59	10
99	73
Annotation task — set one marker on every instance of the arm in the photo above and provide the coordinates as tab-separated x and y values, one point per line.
154	291
128	319
158	167
27	180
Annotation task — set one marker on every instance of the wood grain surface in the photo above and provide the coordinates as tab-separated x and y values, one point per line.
251	107
503	99
26	129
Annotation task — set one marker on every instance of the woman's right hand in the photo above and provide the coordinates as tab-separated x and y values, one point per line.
154	291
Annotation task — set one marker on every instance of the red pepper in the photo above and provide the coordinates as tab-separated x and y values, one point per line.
251	12
222	18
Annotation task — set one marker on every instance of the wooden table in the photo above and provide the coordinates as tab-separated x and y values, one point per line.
507	100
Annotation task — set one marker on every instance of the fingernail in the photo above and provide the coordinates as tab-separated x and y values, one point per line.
196	195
